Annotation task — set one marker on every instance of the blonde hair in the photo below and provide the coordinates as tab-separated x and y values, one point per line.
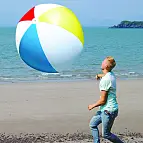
111	62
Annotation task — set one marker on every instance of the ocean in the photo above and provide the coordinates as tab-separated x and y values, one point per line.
125	45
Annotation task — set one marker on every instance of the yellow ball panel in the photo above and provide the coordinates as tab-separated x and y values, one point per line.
65	18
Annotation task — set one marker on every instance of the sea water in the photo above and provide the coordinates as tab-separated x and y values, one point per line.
125	45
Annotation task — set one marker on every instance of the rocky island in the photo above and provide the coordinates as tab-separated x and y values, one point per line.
129	24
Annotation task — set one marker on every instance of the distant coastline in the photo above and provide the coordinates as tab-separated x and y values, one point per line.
129	24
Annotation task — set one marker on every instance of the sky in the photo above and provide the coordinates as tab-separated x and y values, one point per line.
89	12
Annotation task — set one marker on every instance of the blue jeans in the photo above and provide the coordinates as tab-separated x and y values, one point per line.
107	120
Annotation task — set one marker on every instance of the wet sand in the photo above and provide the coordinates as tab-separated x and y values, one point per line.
58	111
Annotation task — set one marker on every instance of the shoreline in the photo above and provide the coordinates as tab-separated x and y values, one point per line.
65	80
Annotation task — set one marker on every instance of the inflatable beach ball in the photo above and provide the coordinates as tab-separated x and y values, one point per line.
48	36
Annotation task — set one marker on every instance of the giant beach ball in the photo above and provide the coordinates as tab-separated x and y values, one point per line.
49	36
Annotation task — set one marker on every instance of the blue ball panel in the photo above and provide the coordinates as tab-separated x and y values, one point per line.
31	51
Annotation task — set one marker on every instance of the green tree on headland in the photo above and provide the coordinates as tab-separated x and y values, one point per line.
129	24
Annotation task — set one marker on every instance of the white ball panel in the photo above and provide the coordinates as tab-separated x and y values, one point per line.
58	44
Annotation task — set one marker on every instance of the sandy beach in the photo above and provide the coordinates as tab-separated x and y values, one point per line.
60	108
